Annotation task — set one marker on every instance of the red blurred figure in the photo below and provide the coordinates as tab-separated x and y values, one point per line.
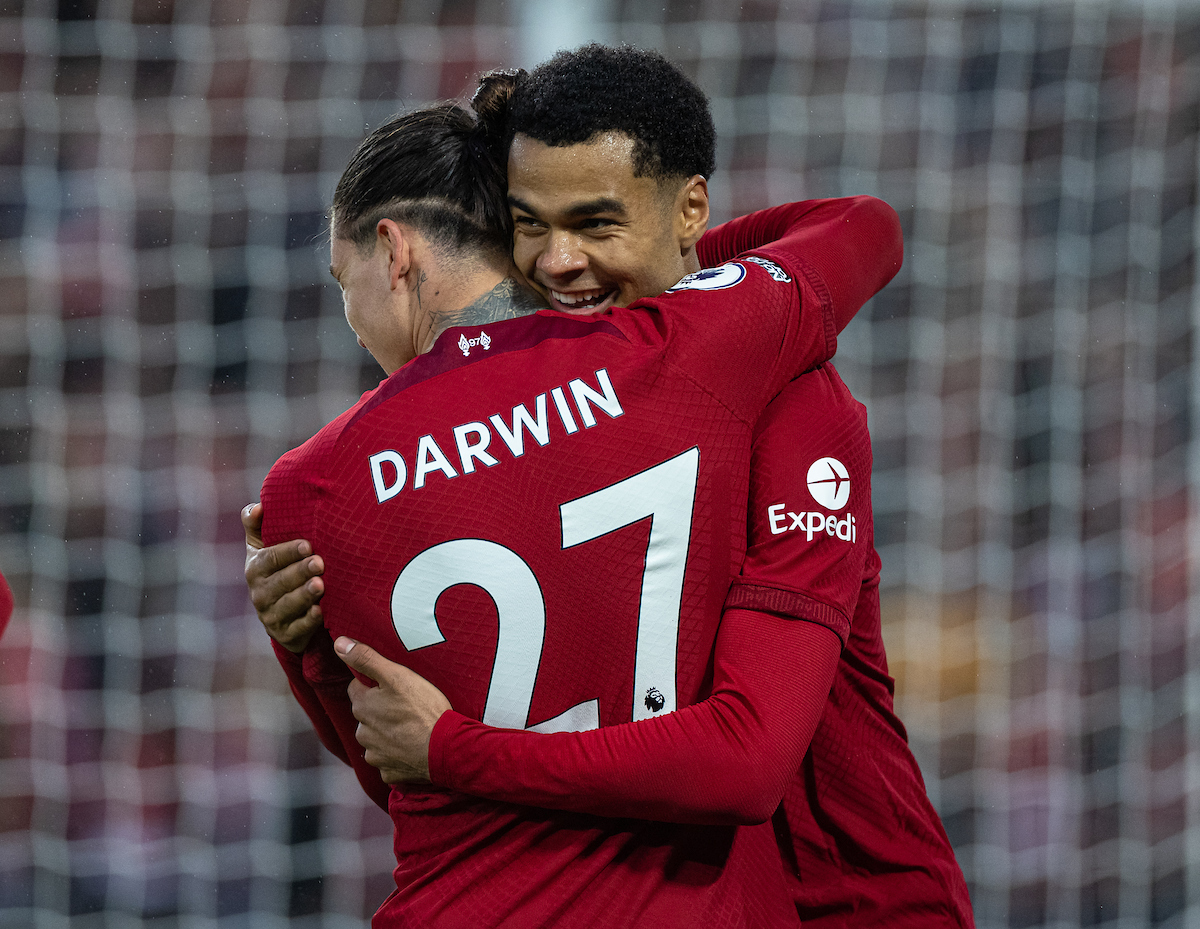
6	603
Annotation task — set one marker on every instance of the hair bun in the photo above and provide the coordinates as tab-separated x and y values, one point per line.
492	97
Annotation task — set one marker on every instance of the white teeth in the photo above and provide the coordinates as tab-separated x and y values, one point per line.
574	299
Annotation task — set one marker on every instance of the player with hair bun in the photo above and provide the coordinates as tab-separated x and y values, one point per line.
436	166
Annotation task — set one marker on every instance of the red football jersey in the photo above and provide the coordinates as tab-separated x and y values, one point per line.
542	516
861	843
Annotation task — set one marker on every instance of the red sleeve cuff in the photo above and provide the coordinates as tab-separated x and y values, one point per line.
321	663
448	724
291	661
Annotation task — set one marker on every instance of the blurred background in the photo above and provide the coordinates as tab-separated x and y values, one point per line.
168	327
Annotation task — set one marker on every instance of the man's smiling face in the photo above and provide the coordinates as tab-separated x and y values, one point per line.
588	233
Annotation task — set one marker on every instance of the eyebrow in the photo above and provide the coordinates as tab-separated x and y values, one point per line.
586	208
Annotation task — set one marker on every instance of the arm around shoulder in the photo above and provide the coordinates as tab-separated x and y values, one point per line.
853	244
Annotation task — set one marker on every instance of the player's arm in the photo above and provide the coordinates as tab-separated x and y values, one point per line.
726	759
853	245
317	678
306	695
781	305
319	682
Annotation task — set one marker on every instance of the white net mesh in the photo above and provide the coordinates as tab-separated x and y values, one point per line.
166	331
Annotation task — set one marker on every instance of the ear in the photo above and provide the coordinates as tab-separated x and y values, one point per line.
396	242
691	213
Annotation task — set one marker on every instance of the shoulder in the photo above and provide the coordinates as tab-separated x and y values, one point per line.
308	457
748	301
816	400
732	281
297	482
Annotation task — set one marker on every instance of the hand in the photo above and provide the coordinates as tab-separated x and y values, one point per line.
284	584
396	718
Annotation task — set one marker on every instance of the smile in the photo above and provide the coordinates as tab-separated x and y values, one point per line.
582	300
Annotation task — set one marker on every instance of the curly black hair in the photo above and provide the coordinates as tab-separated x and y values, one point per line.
434	168
597	88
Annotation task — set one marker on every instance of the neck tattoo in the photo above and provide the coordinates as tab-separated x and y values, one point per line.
421	279
507	300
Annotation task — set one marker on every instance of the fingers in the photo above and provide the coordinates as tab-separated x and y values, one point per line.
362	658
406	695
295	634
272	559
296	606
252	524
283	569
386	731
285	598
395	719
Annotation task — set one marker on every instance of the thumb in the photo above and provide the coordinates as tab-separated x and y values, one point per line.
252	517
361	658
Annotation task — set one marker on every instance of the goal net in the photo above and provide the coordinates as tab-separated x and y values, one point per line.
167	329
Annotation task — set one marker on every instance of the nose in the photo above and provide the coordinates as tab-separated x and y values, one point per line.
562	255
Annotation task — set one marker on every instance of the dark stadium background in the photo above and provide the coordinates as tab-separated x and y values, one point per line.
168	327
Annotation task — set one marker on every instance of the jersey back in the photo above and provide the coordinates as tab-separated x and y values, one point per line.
542	517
